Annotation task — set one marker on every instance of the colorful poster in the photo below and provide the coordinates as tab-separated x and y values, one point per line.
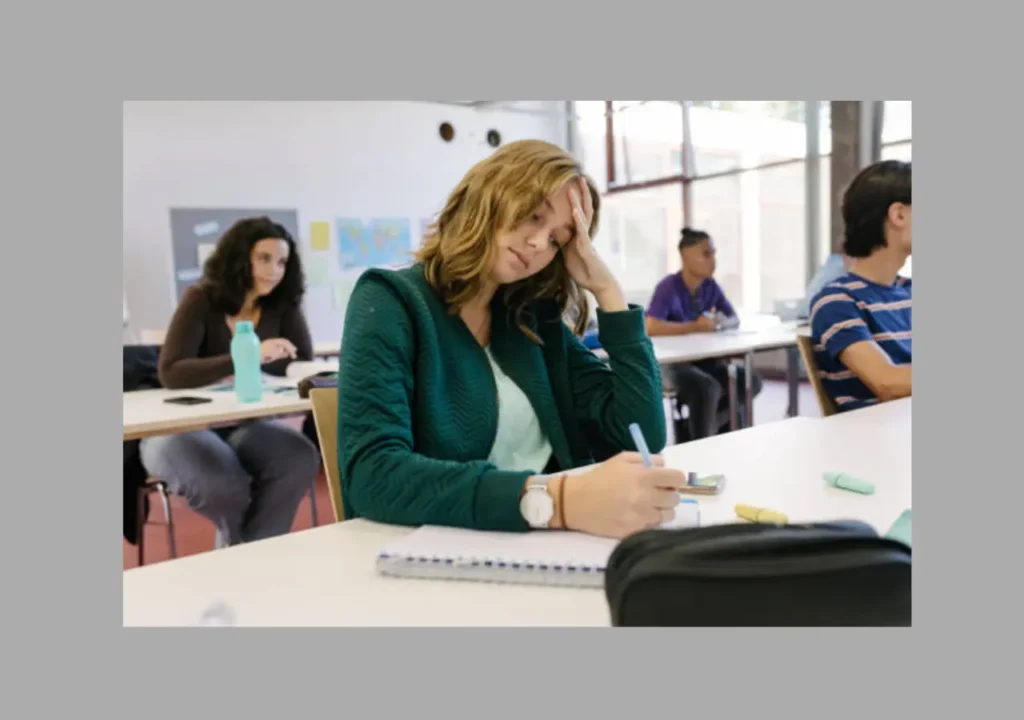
320	235
382	242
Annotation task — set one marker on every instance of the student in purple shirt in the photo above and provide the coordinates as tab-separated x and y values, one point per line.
687	302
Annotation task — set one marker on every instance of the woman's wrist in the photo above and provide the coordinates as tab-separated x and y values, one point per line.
556	488
611	299
567	498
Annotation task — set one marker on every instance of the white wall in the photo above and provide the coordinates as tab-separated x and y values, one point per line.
324	159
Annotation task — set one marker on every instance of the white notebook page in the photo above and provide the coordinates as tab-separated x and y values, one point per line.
566	549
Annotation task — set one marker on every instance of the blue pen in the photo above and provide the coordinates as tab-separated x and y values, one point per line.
641	444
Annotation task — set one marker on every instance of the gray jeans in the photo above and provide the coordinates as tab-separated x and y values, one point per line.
248	481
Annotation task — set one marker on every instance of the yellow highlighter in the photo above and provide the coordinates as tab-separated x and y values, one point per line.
761	515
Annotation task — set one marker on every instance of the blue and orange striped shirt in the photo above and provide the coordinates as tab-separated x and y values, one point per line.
852	309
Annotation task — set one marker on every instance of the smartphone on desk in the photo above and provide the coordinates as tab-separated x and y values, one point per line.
704	485
187	400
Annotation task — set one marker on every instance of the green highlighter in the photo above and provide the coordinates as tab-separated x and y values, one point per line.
848	482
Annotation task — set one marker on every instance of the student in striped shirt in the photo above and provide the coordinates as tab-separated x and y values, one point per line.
861	322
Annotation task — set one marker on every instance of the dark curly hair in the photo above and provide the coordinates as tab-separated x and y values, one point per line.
227	275
866	205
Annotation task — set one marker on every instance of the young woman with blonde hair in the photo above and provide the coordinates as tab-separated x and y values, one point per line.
463	393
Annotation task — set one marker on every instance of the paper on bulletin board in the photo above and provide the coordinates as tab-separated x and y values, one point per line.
318	271
320	235
206	228
204	251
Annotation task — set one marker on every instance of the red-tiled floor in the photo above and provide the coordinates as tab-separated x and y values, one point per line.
194	533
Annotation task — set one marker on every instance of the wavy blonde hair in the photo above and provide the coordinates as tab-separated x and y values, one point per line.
496	194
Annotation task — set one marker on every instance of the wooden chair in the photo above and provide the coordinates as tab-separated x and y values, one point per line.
825	401
325	414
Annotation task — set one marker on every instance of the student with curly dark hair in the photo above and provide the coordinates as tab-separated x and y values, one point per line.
248	480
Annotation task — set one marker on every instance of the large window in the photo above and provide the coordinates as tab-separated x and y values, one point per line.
638	236
648	140
590	134
716	209
732	134
896	121
756	214
825	238
743	179
899	151
782	232
896	141
896	130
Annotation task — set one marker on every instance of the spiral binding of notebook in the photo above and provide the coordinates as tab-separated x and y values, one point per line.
536	558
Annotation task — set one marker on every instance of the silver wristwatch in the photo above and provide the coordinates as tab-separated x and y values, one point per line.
537	505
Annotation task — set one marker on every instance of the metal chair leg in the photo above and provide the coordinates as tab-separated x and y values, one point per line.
734	423
312	501
140	521
161	487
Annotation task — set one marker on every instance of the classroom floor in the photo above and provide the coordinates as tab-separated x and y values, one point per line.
194	534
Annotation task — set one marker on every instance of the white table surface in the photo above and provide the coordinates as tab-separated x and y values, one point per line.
145	412
758	332
670	349
327	348
326	576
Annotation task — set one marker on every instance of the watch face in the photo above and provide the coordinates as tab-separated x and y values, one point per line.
538	508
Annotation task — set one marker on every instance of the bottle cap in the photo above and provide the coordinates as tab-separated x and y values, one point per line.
243	326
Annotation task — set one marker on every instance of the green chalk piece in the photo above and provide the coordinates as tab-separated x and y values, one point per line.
848	482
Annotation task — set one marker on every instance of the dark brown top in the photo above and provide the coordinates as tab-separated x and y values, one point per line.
197	349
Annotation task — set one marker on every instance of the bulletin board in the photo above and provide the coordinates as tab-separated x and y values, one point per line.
195	232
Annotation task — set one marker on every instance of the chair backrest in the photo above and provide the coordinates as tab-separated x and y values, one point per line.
825	401
325	415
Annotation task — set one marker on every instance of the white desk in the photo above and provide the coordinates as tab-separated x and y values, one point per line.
889	417
327	349
751	338
145	412
669	349
326	576
780	466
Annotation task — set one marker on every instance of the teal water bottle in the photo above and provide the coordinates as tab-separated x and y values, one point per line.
245	355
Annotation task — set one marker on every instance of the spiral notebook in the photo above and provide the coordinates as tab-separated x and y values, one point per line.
533	558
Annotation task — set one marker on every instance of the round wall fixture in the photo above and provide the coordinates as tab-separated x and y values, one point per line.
493	138
446	131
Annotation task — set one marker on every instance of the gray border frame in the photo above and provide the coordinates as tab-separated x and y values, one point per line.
61	515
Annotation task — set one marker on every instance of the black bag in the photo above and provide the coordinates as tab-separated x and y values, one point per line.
140	373
750	574
325	379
